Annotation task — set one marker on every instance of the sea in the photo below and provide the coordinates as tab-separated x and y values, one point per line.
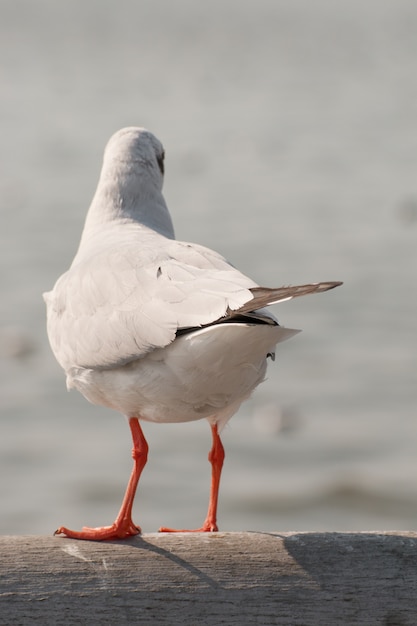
290	131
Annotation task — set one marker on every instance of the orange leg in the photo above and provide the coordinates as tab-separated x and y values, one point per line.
123	526
216	458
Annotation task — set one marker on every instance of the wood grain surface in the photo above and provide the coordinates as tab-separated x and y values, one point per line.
212	578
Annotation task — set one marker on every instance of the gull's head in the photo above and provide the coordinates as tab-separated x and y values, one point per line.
135	151
130	184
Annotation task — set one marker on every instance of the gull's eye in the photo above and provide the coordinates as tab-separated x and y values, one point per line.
160	160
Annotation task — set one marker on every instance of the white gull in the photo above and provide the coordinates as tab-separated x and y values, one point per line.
157	329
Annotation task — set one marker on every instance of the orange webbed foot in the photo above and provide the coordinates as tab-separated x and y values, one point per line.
115	531
207	527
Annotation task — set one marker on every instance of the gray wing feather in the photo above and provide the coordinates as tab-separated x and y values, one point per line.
121	303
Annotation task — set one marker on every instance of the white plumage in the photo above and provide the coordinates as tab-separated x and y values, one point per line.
155	328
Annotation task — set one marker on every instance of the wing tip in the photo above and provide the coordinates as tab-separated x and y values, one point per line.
327	285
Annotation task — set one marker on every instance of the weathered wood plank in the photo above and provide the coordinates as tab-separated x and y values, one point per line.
296	579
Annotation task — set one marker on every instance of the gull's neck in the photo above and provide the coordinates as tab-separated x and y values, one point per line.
126	198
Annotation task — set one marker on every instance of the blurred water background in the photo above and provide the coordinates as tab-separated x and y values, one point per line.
291	145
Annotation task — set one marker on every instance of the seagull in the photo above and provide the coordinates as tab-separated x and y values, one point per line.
157	329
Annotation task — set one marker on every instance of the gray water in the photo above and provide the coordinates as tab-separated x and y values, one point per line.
291	143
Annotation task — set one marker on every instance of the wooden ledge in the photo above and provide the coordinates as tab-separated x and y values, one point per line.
212	578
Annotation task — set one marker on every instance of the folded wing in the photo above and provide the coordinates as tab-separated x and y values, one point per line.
122	303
